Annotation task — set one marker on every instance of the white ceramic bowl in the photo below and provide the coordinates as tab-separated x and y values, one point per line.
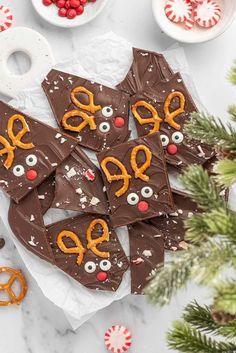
196	34
50	14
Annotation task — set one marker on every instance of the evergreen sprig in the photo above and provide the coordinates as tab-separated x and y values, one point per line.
232	112
225	172
232	74
225	298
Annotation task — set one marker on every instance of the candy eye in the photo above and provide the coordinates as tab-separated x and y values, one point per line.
104	127
164	140
31	160
105	265
147	192
90	267
177	137
132	199
18	170
107	112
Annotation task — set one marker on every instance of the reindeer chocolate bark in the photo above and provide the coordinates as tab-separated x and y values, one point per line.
166	108
29	151
136	180
46	192
96	115
79	185
86	248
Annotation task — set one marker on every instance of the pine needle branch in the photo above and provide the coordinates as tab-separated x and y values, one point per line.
232	112
226	172
225	299
207	129
187	339
232	74
203	188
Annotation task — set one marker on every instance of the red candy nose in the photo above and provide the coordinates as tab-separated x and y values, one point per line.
143	206
31	174
119	122
172	149
102	276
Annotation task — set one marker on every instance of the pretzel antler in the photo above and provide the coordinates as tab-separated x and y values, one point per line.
78	249
16	139
124	176
169	116
90	107
139	171
8	150
155	119
93	243
16	275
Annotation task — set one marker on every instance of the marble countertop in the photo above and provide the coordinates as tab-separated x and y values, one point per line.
37	325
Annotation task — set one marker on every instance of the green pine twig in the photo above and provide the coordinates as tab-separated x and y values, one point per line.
232	74
226	172
232	112
225	299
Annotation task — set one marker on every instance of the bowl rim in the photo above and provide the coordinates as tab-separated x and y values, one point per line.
70	24
188	40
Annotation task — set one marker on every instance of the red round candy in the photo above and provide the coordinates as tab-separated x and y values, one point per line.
143	206
71	13
172	149
62	12
102	276
60	3
75	3
80	10
67	4
47	2
83	2
31	174
119	122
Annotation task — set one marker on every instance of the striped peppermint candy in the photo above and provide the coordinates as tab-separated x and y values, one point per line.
118	339
6	18
197	2
207	14
189	23
178	10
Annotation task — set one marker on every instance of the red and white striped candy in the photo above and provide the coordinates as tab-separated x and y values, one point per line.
89	175
6	18
118	339
178	10
189	23
197	2
207	14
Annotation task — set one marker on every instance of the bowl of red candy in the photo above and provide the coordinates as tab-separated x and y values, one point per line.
68	13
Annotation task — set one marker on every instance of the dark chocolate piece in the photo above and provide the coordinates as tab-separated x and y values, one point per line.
2	243
46	192
95	264
146	254
172	226
136	180
98	116
29	151
79	185
148	68
26	222
166	108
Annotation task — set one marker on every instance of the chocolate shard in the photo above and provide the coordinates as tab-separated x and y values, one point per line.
46	192
26	222
136	180
167	108
82	249
146	254
29	151
148	68
98	116
79	185
171	226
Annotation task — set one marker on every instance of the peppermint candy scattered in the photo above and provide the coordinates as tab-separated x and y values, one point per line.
118	339
207	14
6	18
178	10
197	2
189	23
89	175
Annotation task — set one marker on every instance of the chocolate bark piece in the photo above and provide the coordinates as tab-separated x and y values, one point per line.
26	222
29	151
171	226
46	192
98	116
147	69
166	108
136	180
99	267
146	254
79	185
2	243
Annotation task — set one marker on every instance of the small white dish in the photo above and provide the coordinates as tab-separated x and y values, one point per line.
196	34
50	14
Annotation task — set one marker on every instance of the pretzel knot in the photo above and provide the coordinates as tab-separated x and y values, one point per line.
93	243
8	150
16	139
169	116
90	107
78	249
154	119
124	176
16	275
139	171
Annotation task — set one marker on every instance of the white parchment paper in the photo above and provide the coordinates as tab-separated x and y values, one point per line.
105	59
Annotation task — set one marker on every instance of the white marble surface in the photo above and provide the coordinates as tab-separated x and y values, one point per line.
37	325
